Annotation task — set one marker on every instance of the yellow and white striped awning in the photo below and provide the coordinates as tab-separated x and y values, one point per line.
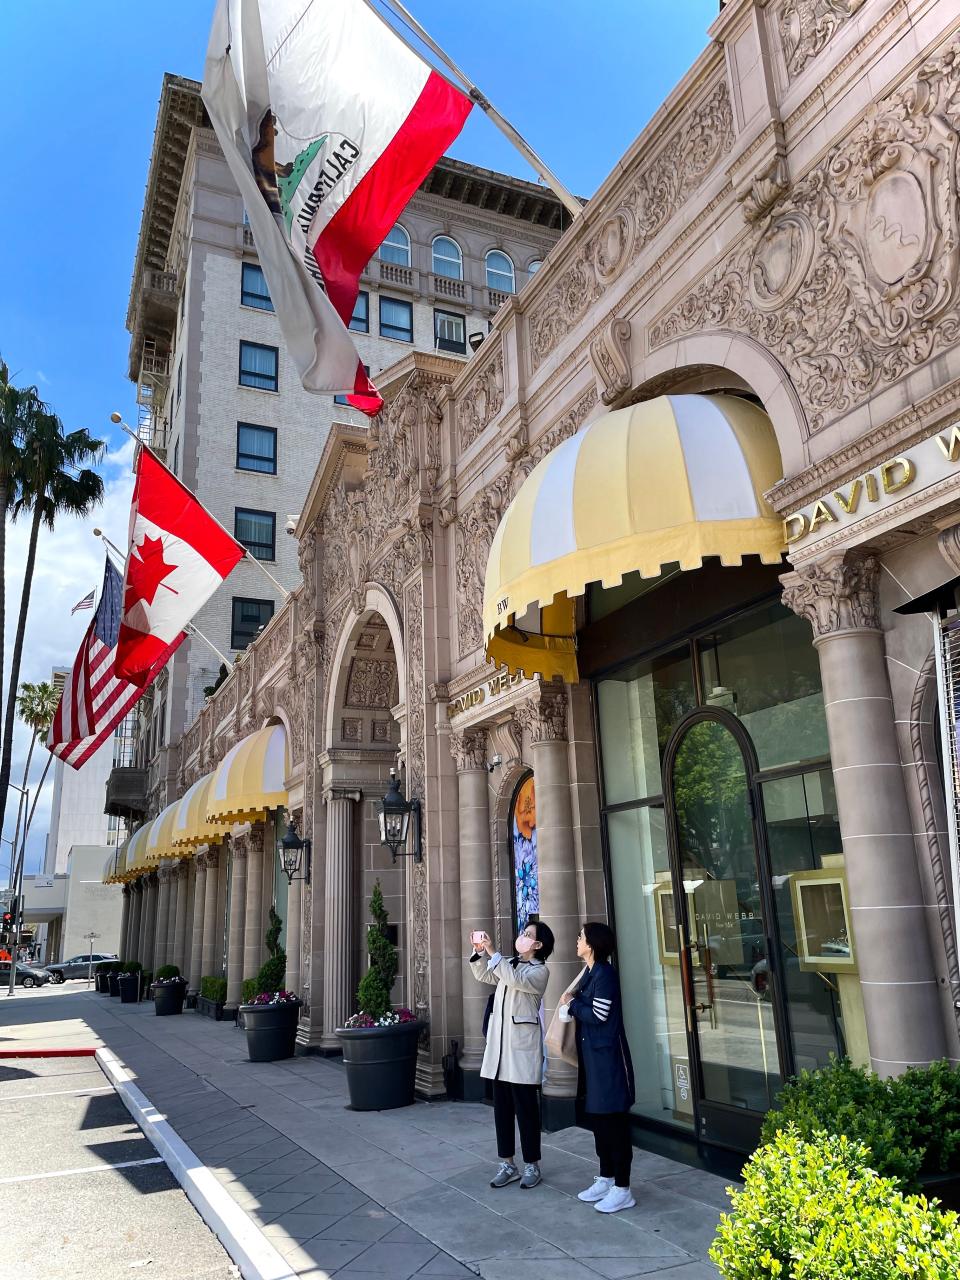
249	780
135	850
666	482
111	870
190	826
159	842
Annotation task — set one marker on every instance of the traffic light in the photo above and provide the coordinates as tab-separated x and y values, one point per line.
6	924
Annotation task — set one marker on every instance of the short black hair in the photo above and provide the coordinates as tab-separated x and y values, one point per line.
546	939
599	938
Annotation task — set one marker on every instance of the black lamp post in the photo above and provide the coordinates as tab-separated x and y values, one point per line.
395	815
292	852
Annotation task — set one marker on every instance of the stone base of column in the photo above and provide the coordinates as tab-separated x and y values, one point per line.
430	1082
311	1040
328	1043
557	1113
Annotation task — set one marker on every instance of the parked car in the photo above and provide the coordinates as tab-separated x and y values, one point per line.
77	967
28	975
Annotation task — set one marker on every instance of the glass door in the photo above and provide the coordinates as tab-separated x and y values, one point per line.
720	905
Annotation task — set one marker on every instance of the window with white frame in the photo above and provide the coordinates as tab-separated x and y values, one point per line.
500	272
450	332
447	258
534	266
396	247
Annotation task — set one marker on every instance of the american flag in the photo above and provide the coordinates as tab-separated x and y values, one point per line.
85	603
94	699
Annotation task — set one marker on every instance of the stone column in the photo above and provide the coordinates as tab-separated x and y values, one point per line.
194	942
294	919
469	750
169	956
178	951
338	941
150	920
544	718
238	903
208	966
161	941
838	597
253	944
124	922
136	899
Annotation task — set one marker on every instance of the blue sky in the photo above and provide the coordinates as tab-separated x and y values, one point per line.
578	78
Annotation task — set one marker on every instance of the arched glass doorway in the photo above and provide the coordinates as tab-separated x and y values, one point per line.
524	858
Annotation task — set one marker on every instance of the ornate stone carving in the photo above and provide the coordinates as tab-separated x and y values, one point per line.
663	185
474	535
764	188
211	859
610	353
568	425
838	593
256	838
948	540
371	683
307	557
853	279
416	757
351	728
807	27
291	704
480	401
544	714
469	749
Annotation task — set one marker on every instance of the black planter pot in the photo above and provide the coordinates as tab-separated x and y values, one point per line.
210	1008
129	984
168	998
381	1065
103	983
114	984
271	1030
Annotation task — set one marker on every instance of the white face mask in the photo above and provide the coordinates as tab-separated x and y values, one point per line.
524	945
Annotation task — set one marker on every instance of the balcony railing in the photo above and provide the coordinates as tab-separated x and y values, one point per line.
391	273
496	299
126	792
445	287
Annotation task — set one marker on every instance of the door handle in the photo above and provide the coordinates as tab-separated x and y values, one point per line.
702	1008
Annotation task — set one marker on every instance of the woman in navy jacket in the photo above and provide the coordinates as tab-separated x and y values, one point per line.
606	1071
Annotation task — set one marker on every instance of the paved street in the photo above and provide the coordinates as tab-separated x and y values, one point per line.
390	1195
75	1175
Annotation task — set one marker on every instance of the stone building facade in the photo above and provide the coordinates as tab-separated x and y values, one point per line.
782	236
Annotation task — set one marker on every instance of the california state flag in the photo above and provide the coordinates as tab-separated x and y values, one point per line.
329	123
177	557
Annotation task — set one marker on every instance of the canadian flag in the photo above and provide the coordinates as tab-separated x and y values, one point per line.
329	123
177	557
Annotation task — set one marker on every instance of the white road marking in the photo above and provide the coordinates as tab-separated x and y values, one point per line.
92	1168
56	1093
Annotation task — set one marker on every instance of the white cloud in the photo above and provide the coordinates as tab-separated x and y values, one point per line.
42	378
69	563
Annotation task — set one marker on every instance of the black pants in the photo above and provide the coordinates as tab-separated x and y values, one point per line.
517	1104
611	1135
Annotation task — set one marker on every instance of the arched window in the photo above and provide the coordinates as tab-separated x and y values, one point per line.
523	838
500	272
534	266
396	247
447	258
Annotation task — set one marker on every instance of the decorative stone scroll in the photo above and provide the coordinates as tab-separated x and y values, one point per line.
481	401
853	279
838	593
807	26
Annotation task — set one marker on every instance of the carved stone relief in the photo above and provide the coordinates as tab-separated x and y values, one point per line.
661	188
416	757
370	683
544	714
481	401
852	280
807	27
610	353
838	593
469	749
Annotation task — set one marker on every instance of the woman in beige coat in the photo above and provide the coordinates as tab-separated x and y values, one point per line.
513	1057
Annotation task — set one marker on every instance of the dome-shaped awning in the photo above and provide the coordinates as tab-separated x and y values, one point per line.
135	852
666	482
159	842
112	873
249	780
190	826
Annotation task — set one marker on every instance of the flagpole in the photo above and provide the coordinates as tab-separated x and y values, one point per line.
246	554
193	631
568	200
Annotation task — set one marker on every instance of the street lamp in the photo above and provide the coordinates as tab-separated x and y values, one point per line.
395	814
292	850
90	936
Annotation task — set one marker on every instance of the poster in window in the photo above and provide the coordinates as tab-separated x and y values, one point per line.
525	868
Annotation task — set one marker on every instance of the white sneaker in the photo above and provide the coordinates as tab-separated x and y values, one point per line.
597	1192
617	1198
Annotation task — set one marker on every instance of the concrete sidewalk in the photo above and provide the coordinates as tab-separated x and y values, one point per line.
379	1194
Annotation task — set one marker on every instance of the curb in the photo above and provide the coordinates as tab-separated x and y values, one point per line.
240	1236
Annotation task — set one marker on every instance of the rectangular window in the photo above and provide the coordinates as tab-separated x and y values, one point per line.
396	319
259	366
256	448
257	531
248	617
450	332
343	399
360	320
179	378
253	288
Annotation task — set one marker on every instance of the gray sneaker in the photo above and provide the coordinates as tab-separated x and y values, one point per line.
507	1173
531	1176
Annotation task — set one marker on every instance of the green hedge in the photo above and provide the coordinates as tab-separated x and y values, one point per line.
817	1211
131	966
214	989
248	990
168	971
911	1123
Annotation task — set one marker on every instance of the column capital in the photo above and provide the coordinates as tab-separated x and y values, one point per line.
342	793
544	714
469	749
238	849
835	594
163	874
211	859
256	838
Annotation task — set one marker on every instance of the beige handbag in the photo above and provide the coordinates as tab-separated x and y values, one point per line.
561	1038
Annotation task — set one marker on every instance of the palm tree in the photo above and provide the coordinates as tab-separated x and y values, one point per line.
53	481
36	706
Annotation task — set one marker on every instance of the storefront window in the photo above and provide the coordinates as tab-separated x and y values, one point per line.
526	873
764	670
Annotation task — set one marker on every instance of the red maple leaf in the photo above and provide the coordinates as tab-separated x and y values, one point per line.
145	572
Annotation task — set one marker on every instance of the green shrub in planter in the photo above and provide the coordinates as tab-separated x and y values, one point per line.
214	989
373	993
131	966
911	1123
167	971
248	990
274	968
817	1211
